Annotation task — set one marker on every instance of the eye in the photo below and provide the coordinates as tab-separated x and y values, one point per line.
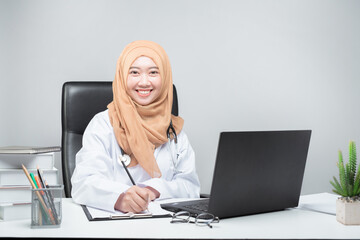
154	73
134	72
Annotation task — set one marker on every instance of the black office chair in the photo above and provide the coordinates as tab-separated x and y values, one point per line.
80	102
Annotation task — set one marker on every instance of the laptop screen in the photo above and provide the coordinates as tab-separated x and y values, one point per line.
258	171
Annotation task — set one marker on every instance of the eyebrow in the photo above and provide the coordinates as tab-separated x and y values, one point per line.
148	68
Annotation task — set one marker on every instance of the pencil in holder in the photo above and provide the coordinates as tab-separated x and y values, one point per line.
46	207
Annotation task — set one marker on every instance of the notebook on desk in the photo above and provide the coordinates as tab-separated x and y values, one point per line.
255	172
95	214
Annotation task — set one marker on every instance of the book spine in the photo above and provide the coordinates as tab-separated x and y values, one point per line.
14	161
15	211
15	194
17	177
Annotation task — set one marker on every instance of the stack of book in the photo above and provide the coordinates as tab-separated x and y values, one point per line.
15	189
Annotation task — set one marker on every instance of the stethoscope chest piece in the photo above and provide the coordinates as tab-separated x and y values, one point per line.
125	159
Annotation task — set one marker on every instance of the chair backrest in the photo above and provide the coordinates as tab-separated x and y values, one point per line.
80	102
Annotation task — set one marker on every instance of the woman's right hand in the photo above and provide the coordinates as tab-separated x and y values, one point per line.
135	199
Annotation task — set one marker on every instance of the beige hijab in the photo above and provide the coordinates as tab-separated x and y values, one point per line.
140	129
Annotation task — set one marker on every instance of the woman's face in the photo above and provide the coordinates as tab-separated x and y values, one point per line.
144	81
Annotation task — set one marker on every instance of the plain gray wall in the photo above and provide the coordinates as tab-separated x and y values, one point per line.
237	65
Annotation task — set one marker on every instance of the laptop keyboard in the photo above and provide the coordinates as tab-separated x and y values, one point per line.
201	206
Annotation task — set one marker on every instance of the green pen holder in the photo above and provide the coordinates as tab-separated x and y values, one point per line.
46	207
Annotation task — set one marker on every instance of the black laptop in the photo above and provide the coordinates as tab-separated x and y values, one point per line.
255	172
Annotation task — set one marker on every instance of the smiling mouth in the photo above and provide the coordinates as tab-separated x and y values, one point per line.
144	93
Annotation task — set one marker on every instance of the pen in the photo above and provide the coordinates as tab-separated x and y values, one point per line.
51	196
48	195
46	199
41	179
38	184
38	194
128	173
33	180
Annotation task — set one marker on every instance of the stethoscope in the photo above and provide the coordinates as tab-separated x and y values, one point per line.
125	160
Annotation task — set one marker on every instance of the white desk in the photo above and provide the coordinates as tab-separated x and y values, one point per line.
290	224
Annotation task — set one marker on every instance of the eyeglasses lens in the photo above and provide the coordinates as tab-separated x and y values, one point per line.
181	217
204	219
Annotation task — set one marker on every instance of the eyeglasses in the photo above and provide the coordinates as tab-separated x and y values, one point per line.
202	219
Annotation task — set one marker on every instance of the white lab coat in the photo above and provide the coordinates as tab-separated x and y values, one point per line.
99	178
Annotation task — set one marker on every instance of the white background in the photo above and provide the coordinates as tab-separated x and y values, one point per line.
237	65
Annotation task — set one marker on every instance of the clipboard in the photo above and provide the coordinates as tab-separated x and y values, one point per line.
105	216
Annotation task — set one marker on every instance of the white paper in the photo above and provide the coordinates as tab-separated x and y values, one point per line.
322	202
154	209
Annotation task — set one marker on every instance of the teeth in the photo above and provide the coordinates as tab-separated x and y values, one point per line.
144	92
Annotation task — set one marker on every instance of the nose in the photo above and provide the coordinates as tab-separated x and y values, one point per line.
144	80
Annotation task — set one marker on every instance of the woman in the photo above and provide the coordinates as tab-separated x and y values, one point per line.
135	124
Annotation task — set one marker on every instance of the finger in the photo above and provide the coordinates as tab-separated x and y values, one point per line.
137	202
152	192
130	209
130	205
137	198
135	208
144	193
138	207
